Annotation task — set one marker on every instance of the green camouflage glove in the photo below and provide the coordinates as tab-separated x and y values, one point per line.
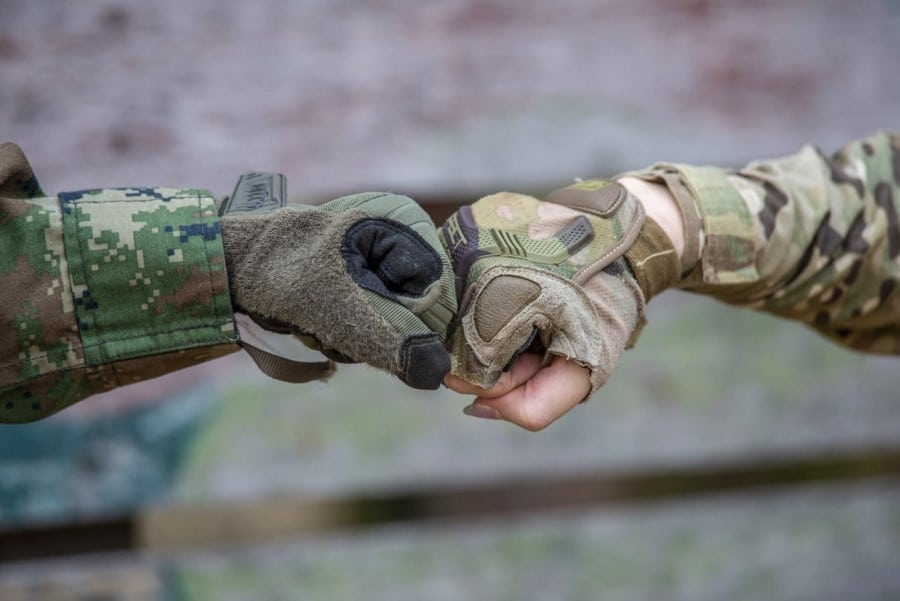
568	276
361	278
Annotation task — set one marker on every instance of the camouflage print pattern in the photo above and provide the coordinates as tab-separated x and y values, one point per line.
557	269
542	233
808	237
102	288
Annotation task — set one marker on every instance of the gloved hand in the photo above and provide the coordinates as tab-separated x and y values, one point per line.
362	278
567	277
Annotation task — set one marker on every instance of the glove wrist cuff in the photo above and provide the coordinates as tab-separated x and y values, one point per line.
238	237
653	260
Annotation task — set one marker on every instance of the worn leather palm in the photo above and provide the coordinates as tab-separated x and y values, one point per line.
568	276
362	278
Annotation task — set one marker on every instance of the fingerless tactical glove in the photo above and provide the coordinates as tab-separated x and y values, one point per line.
568	276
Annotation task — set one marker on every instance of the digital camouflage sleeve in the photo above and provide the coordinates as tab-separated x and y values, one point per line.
807	237
103	288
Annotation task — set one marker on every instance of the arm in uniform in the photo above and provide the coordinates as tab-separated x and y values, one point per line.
102	288
808	237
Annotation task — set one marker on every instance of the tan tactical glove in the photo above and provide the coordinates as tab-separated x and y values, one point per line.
567	276
361	278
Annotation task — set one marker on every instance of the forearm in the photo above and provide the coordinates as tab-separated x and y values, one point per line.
806	237
104	289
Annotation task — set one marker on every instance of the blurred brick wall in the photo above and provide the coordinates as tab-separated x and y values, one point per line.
450	96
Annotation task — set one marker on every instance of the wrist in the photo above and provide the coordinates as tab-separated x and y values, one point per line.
660	206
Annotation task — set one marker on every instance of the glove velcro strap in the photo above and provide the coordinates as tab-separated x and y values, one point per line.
653	260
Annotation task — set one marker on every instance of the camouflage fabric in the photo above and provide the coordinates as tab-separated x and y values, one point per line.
102	288
807	237
575	271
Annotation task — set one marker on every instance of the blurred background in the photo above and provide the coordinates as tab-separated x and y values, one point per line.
733	456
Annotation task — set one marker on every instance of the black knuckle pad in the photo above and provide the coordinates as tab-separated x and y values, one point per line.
423	362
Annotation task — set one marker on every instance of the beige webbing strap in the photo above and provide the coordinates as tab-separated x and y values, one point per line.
288	370
653	260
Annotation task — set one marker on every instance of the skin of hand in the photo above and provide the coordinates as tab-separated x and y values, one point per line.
532	396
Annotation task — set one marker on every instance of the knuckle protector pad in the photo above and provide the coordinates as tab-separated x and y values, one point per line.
495	329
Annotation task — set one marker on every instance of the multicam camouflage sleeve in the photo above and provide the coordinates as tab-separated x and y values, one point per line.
807	237
103	288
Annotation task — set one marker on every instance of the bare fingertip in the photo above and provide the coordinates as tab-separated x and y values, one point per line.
482	411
